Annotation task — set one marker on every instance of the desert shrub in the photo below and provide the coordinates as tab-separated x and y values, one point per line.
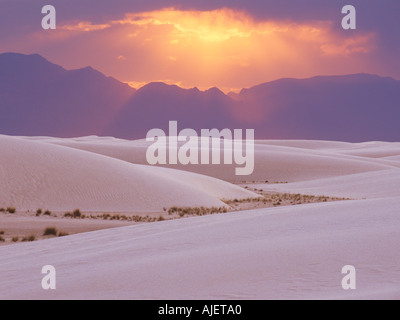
11	210
29	238
2	210
15	239
38	212
63	234
1	232
161	218
172	210
2	239
50	231
47	213
76	213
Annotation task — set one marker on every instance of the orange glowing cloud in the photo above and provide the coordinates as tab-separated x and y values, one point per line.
84	26
224	48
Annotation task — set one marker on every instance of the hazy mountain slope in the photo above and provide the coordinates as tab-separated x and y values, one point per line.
40	98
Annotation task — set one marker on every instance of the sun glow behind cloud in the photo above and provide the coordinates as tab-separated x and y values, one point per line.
224	48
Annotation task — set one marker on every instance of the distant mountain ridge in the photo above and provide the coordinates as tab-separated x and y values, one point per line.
40	98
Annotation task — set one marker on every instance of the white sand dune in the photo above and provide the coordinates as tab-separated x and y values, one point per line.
42	175
283	161
393	158
308	144
377	184
282	253
293	252
373	149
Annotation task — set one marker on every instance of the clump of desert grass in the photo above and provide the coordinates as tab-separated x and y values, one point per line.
11	210
76	214
50	231
32	237
195	211
179	211
8	209
123	217
277	199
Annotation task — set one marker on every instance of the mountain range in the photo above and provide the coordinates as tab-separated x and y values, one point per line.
38	97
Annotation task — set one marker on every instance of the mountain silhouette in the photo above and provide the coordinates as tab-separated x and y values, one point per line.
40	98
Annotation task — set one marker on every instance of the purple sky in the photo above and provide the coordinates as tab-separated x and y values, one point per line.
373	48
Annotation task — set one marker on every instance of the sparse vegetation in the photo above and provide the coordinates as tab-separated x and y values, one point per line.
264	200
76	213
115	217
277	199
29	238
8	209
50	231
196	211
11	210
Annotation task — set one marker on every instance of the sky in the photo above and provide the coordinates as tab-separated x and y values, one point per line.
209	43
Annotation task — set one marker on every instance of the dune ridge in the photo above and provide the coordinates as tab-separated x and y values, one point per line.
41	175
283	161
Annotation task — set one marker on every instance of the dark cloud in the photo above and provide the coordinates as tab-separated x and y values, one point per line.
18	17
372	15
